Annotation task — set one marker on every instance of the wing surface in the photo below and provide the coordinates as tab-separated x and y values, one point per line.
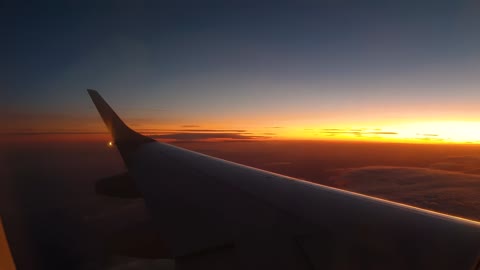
216	214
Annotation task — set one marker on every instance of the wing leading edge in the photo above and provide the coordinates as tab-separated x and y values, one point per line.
215	214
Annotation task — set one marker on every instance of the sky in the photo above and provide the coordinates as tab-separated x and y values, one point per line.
263	72
375	70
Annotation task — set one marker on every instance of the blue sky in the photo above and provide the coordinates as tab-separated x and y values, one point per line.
182	62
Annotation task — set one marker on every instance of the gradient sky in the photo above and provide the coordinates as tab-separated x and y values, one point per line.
383	70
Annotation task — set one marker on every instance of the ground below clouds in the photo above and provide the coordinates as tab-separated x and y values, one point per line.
444	191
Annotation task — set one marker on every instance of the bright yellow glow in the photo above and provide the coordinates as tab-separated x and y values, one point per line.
441	131
110	144
417	132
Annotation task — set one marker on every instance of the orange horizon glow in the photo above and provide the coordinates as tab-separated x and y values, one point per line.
428	132
424	132
463	132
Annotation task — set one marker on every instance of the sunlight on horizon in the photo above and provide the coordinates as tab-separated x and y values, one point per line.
423	132
446	131
419	132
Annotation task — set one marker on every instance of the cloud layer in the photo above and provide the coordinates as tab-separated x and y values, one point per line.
450	192
202	136
355	132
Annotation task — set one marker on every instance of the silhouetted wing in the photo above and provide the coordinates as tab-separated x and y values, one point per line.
216	214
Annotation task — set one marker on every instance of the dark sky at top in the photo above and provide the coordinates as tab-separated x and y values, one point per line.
271	58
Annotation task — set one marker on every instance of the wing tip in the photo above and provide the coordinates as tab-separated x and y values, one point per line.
93	93
118	129
124	137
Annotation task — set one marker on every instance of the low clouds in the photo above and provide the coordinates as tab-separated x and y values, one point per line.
427	135
355	132
445	191
196	136
212	130
28	133
193	133
382	132
465	164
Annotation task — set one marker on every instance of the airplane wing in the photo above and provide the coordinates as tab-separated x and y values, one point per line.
216	214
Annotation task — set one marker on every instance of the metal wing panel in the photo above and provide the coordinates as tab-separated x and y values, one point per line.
204	202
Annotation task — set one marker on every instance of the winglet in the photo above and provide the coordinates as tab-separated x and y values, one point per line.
124	137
